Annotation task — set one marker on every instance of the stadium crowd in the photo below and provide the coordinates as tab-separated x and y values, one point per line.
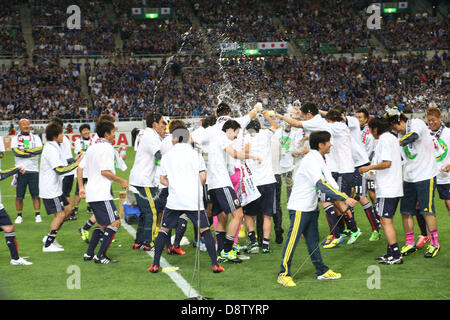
12	41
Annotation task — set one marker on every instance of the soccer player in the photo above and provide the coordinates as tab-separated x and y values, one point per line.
26	148
343	156
67	182
419	178
7	226
311	120
264	180
303	211
99	163
52	168
360	159
220	188
142	178
388	184
441	135
183	171
369	143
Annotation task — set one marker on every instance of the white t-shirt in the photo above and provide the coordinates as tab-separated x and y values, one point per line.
67	154
138	139
368	140
275	146
2	149
166	145
218	176
286	142
420	162
304	196
442	161
82	144
317	123
342	147
185	189
22	141
50	183
100	156
359	152
143	173
388	182
260	145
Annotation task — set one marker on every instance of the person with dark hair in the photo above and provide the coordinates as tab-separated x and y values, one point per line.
311	175
387	163
26	148
184	194
346	168
99	162
419	178
264	180
81	146
67	182
50	184
368	141
142	178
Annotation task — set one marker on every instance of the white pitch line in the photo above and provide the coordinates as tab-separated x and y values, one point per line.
175	276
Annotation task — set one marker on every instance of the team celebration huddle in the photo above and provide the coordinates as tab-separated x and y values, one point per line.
226	177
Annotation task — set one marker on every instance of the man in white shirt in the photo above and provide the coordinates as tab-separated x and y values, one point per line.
143	178
99	163
419	178
185	180
52	168
388	184
220	188
303	211
26	148
264	180
369	143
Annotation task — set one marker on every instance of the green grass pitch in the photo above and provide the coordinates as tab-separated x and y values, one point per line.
50	275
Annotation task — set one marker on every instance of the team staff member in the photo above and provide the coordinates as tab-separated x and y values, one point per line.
185	193
99	163
143	175
26	148
303	209
52	168
388	184
419	178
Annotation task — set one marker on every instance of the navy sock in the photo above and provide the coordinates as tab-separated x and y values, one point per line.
96	236
252	236
169	239
160	241
341	223
51	238
12	245
371	216
422	224
228	243
210	246
37	213
181	229
265	243
350	222
108	236
395	251
332	219
88	225
220	237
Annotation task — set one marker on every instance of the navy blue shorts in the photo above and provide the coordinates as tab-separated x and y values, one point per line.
161	199
30	179
322	196
359	182
387	207
77	188
5	220
67	184
345	182
421	192
55	205
170	218
370	185
224	200
265	204
444	191
105	212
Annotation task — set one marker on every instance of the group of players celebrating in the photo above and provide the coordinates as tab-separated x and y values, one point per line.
234	167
